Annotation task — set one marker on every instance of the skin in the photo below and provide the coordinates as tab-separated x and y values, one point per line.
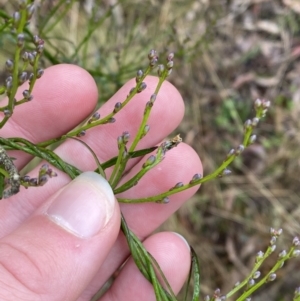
38	260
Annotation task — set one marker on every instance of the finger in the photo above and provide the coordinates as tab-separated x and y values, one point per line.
180	164
65	242
63	97
171	252
165	116
103	141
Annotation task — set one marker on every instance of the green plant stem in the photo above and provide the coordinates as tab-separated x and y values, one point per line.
46	154
217	173
116	170
139	134
122	164
98	122
255	269
134	180
277	266
15	84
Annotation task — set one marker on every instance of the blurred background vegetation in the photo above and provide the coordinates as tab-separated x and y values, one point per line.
227	54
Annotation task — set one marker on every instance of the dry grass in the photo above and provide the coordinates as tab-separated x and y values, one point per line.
228	53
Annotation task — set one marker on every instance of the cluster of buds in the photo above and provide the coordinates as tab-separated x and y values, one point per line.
45	173
169	66
153	58
25	7
12	67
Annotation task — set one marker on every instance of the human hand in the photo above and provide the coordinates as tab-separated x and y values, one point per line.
63	241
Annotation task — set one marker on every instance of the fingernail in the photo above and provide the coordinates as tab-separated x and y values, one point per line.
84	206
184	240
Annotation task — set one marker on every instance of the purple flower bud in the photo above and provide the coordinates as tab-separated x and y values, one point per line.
282	254
255	121
296	241
31	58
251	282
26	94
160	69
239	149
257	103
252	139
149	161
170	65
81	134
271	277
22	77
16	18
118	107
20	40
39	73
7	113
273	240
141	87
111	120
256	274
165	200
170	57
36	39
126	137
196	177
25	56
152	54
43	180
153	98
9	65
40	48
259	256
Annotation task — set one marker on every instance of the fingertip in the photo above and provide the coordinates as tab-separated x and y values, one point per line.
172	254
57	97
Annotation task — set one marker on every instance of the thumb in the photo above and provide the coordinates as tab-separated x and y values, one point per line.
55	255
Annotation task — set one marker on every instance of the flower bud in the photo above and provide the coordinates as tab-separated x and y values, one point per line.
282	254
25	56
126	137
20	40
81	134
39	73
256	275
16	19
118	107
239	149
170	57
149	161
160	69
296	241
141	87
152	54
271	277
252	139
255	121
22	77
26	94
196	177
